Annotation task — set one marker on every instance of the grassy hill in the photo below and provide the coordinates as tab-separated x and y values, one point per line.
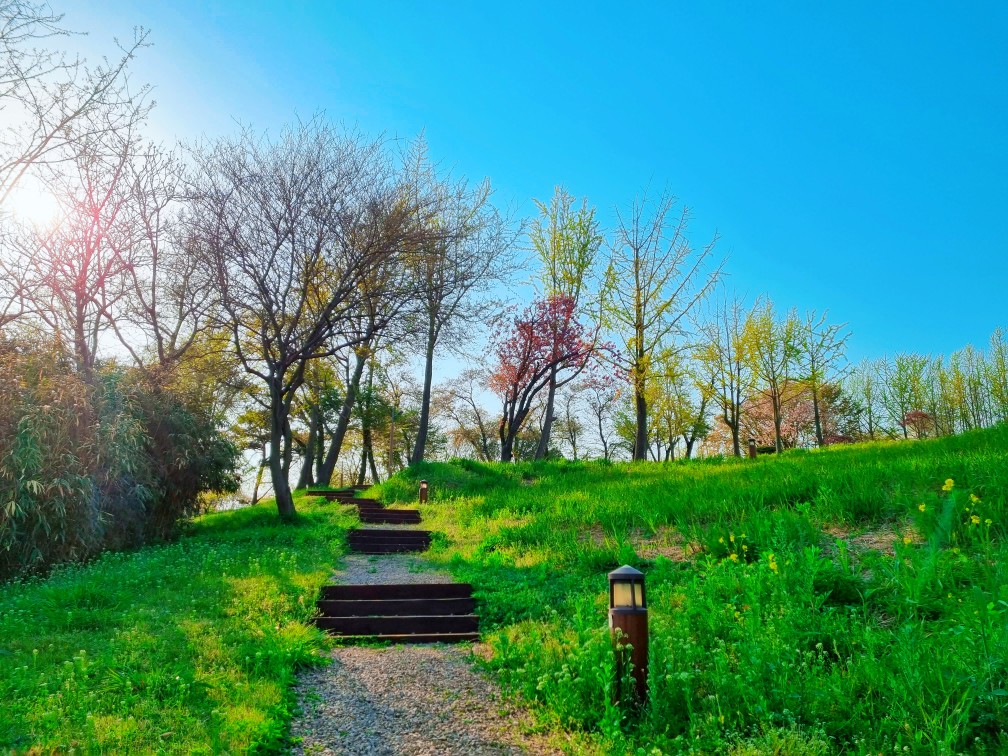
188	647
852	598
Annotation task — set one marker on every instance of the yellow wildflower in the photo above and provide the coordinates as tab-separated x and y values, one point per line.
949	484
974	498
721	539
731	537
922	507
975	520
907	540
988	521
733	557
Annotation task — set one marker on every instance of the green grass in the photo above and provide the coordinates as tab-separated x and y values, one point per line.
187	647
768	634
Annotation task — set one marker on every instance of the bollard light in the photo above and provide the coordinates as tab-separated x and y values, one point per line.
752	448
423	491
628	623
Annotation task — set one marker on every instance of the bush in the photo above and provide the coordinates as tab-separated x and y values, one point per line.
88	466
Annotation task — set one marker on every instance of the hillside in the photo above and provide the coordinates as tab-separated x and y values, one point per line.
850	598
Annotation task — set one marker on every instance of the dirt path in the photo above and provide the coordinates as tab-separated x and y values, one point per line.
416	699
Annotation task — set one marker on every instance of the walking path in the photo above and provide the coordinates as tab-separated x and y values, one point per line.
405	699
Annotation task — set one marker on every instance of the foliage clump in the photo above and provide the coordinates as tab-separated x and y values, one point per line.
112	461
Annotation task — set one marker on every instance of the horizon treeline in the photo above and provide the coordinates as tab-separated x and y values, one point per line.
292	292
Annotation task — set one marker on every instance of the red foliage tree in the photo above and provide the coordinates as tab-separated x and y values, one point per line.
545	338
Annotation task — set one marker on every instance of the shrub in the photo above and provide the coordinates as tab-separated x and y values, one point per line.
88	466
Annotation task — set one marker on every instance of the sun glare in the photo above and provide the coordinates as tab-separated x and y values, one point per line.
32	203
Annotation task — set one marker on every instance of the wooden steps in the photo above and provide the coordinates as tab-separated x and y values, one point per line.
377	516
425	613
388	540
405	613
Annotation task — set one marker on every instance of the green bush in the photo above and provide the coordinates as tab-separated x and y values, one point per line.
88	466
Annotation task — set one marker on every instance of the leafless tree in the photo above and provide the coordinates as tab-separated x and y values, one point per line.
76	273
473	425
171	293
466	256
291	228
51	101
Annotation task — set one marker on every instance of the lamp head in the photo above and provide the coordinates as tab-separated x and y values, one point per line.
626	589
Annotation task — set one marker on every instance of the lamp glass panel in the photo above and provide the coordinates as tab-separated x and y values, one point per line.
625	593
622	595
638	589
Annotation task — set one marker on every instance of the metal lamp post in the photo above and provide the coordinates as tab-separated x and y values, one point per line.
423	491
628	623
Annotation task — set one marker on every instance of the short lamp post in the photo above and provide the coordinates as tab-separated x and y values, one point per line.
423	491
752	448
628	623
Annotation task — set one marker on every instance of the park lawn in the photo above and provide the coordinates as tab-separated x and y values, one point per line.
850	599
187	647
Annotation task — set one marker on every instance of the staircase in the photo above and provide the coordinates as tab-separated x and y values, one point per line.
412	613
406	613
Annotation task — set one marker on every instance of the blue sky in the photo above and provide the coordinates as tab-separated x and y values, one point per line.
851	157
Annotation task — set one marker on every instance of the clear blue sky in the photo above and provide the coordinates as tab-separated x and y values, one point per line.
852	156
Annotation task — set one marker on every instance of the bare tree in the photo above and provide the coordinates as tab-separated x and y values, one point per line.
464	259
290	229
654	279
603	396
171	294
51	102
472	423
76	273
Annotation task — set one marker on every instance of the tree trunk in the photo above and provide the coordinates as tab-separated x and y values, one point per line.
336	442
641	438
544	438
817	416
362	471
306	478
259	477
506	441
278	456
371	460
777	421
421	437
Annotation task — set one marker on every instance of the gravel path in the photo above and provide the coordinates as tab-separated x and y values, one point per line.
422	700
360	569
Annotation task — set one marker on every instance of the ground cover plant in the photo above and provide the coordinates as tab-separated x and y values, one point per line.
850	599
189	647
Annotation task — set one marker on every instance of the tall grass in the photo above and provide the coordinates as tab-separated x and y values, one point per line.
190	647
847	599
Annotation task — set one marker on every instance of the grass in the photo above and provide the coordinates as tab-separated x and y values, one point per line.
187	647
774	627
843	600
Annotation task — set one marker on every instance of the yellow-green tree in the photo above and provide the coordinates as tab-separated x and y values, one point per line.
772	347
655	277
